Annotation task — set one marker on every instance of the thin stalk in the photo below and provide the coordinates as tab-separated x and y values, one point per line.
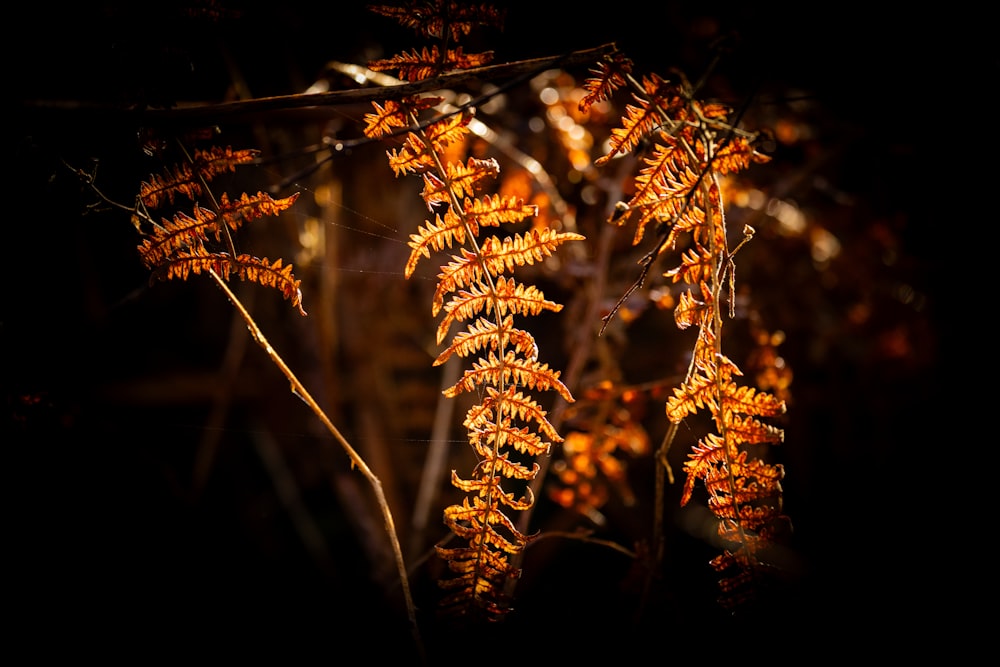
299	390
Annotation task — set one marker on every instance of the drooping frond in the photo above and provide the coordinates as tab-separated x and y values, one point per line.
507	424
177	248
677	192
247	267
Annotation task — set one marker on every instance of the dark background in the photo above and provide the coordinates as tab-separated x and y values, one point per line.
110	382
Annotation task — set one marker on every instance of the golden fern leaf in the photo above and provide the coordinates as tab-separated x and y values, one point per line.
396	114
610	74
186	178
695	393
510	296
488	486
183	232
689	311
430	19
697	267
489	423
449	129
488	212
503	434
664	193
702	457
489	334
666	173
461	180
736	155
751	431
246	208
638	122
430	236
429	62
467	269
161	189
521	250
272	275
492	211
414	157
216	160
462	272
247	267
497	372
749	401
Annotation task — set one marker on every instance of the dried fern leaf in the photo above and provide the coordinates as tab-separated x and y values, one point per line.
247	267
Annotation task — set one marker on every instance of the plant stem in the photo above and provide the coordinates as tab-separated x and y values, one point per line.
299	390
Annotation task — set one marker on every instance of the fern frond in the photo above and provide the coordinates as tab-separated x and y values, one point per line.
697	267
497	372
482	419
459	180
396	114
488	212
509	296
638	122
185	178
436	237
429	62
434	18
414	157
749	401
610	74
691	312
161	189
217	160
235	212
247	267
505	420
487	334
183	232
493	211
522	249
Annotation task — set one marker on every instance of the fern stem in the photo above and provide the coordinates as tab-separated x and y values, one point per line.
717	285
299	390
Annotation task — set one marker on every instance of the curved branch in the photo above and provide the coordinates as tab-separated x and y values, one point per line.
339	97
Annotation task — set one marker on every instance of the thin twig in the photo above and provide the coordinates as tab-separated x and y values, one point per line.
299	390
198	112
